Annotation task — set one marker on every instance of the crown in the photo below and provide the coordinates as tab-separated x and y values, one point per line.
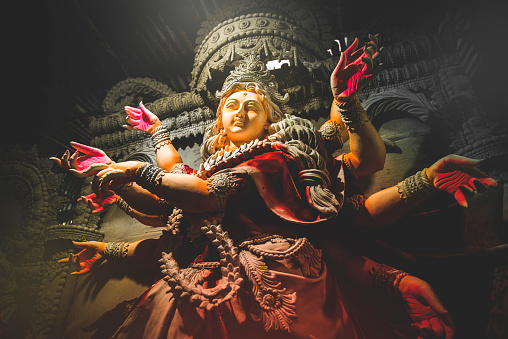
252	69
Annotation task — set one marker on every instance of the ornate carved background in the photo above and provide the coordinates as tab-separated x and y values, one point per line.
436	80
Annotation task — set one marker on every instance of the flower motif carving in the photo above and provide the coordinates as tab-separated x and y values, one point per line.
229	29
262	22
244	24
215	37
280	25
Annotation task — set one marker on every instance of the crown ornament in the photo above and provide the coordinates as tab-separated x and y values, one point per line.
252	69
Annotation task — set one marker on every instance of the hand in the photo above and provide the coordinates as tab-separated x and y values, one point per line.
77	164
430	318
99	203
141	119
110	177
459	176
355	68
85	259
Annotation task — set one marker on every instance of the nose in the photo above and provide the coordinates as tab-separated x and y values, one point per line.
243	110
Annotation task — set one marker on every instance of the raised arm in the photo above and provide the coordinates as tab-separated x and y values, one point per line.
354	70
142	119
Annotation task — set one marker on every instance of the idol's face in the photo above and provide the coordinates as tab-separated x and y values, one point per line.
243	117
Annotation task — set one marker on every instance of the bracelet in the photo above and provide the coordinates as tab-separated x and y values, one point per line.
352	113
116	251
149	177
416	188
386	279
124	206
160	137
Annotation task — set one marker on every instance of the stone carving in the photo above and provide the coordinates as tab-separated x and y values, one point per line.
125	93
33	190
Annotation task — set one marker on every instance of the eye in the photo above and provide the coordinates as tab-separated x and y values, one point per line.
253	106
231	104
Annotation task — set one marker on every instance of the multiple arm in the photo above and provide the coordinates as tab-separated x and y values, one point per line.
142	189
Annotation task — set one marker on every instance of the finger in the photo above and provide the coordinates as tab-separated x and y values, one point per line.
64	260
83	148
488	181
97	210
342	63
97	180
374	39
461	161
95	167
65	160
349	51
133	122
437	327
78	244
461	199
356	55
145	111
467	191
430	297
56	161
133	115
83	271
72	160
134	110
368	65
92	205
129	127
368	51
106	180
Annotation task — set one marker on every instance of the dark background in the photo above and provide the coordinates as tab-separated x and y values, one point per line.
64	55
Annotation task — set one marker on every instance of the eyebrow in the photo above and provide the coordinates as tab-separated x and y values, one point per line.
255	103
231	101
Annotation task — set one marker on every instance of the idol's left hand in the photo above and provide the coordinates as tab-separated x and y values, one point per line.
81	159
430	318
459	176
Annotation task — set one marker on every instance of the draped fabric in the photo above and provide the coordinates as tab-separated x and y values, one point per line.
283	295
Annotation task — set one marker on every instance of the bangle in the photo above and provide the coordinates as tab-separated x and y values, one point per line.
124	206
116	251
149	177
416	188
352	113
386	279
160	137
